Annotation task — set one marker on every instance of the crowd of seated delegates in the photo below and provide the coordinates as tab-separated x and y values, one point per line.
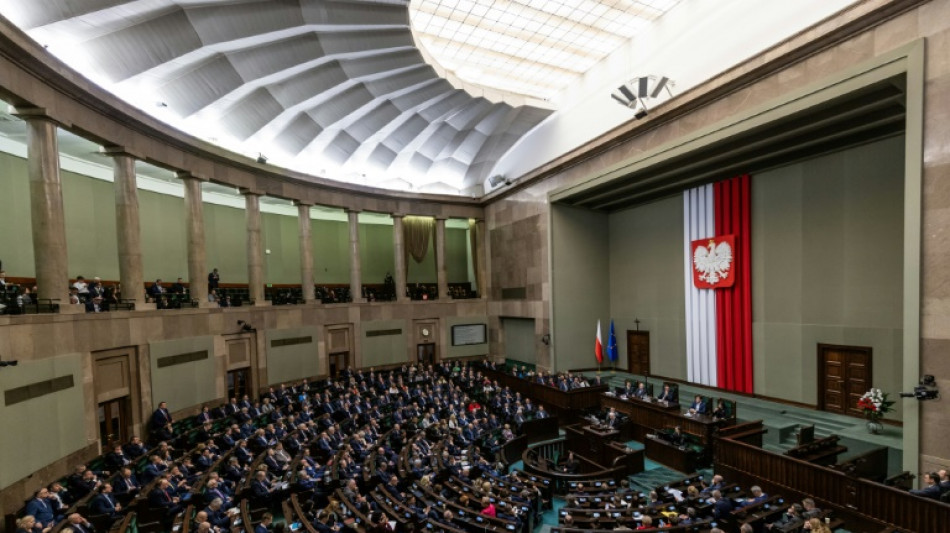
434	426
268	434
691	501
564	381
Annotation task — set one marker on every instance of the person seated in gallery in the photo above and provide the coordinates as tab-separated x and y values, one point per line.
676	438
931	487
668	395
571	465
698	407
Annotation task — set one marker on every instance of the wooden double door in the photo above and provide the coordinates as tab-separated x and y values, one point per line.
638	352
844	375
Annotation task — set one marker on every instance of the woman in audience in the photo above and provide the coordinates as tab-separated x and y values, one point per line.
815	525
488	508
28	524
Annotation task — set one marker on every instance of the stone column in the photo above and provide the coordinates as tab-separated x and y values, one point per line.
481	270
306	252
46	207
127	223
399	250
195	228
356	271
441	274
255	247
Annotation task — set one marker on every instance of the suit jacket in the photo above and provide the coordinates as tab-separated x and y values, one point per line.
103	504
41	510
121	485
159	498
669	396
722	507
933	492
261	528
699	407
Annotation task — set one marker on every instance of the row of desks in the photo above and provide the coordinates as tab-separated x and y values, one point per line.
648	417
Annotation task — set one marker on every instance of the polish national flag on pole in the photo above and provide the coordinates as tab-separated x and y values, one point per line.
599	346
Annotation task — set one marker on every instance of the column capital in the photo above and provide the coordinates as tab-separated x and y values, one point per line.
250	192
303	203
29	113
120	151
352	210
398	215
188	175
440	217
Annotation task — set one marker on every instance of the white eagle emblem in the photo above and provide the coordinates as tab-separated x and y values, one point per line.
713	261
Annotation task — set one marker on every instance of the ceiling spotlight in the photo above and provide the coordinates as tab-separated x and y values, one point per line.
261	158
633	94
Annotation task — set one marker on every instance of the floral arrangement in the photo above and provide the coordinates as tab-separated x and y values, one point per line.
875	404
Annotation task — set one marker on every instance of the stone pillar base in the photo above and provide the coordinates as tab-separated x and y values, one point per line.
262	303
142	306
205	304
72	309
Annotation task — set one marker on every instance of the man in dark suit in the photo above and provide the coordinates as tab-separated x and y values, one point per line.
160	417
79	524
104	503
134	449
116	459
161	498
264	526
641	392
931	488
127	486
261	489
944	481
698	407
94	305
722	507
41	509
667	395
154	469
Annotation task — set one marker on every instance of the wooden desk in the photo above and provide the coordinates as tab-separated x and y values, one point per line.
567	406
647	417
591	442
683	459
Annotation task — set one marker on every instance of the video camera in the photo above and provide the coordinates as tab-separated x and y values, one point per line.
927	390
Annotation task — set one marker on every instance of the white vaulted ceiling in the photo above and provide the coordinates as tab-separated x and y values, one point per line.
333	88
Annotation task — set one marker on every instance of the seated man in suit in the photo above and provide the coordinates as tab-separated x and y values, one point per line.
261	489
931	487
78	524
757	496
116	459
677	438
721	411
264	526
722	507
667	395
162	496
641	392
698	407
134	449
790	520
41	509
104	503
571	465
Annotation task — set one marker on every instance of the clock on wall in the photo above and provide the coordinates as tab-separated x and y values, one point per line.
425	332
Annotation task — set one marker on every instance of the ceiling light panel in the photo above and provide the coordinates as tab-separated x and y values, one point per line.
531	48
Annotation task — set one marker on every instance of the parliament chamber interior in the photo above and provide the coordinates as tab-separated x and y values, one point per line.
528	266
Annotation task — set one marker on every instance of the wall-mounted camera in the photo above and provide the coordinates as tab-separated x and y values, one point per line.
927	390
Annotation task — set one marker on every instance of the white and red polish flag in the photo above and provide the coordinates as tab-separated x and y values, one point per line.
718	268
599	346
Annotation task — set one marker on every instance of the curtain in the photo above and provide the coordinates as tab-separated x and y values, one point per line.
416	232
473	244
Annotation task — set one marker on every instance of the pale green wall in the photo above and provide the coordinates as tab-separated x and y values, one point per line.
16	246
376	252
43	430
186	384
385	349
469	350
331	256
646	282
456	255
164	250
287	363
281	235
226	242
519	339
89	206
828	266
580	279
